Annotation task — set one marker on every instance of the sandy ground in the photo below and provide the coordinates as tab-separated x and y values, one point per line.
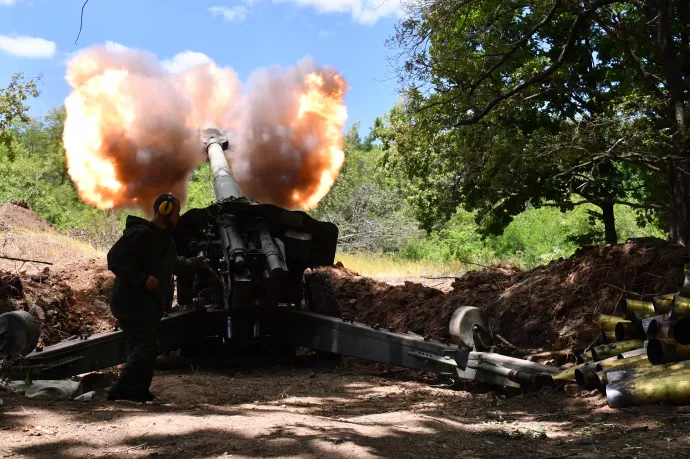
348	410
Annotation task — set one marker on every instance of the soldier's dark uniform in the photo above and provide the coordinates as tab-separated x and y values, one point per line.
143	250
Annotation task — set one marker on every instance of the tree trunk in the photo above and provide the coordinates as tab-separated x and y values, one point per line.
680	209
677	177
609	220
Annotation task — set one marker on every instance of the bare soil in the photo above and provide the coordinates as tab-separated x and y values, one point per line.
71	302
18	216
352	410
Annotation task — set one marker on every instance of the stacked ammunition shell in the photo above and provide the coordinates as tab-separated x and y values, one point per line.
647	356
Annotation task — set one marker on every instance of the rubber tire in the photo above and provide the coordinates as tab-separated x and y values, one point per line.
320	294
320	298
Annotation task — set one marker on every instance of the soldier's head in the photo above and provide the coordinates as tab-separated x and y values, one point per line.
166	211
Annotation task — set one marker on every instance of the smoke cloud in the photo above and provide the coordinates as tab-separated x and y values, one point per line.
132	125
288	143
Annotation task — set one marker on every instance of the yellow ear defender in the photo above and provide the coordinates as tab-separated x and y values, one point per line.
165	208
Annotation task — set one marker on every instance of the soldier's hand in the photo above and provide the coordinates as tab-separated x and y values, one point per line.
151	283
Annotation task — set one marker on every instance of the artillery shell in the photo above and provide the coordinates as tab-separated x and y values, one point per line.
665	350
628	307
667	387
681	307
569	374
640	372
630	362
645	322
613	349
610	336
608	323
678	330
625	355
586	376
663	303
629	331
638	317
603	368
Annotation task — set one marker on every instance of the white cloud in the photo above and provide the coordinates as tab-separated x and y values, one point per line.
185	60
7	2
362	11
231	14
27	46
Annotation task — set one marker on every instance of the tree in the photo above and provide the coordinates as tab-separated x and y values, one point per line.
55	125
533	72
366	203
499	169
352	139
42	141
13	110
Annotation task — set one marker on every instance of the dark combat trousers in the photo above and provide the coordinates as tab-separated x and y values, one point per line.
143	347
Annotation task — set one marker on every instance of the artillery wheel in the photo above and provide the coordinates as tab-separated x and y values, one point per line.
469	328
319	296
19	333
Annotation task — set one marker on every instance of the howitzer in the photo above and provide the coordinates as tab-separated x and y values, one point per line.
263	293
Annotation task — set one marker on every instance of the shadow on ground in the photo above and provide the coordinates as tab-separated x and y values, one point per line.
336	412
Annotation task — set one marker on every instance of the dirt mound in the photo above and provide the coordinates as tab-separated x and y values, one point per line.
68	299
408	307
551	307
18	216
92	284
90	274
61	310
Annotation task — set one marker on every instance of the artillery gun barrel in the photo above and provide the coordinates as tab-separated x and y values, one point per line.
216	142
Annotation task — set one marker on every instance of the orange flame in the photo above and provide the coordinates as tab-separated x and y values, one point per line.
94	174
288	141
131	131
126	137
331	114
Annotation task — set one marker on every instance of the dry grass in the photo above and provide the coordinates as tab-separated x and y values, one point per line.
384	266
59	248
53	248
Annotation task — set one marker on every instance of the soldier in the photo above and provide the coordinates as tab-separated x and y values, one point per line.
144	261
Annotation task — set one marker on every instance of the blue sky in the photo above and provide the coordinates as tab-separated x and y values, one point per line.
37	37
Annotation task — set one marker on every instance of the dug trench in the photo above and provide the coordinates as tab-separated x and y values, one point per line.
360	409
